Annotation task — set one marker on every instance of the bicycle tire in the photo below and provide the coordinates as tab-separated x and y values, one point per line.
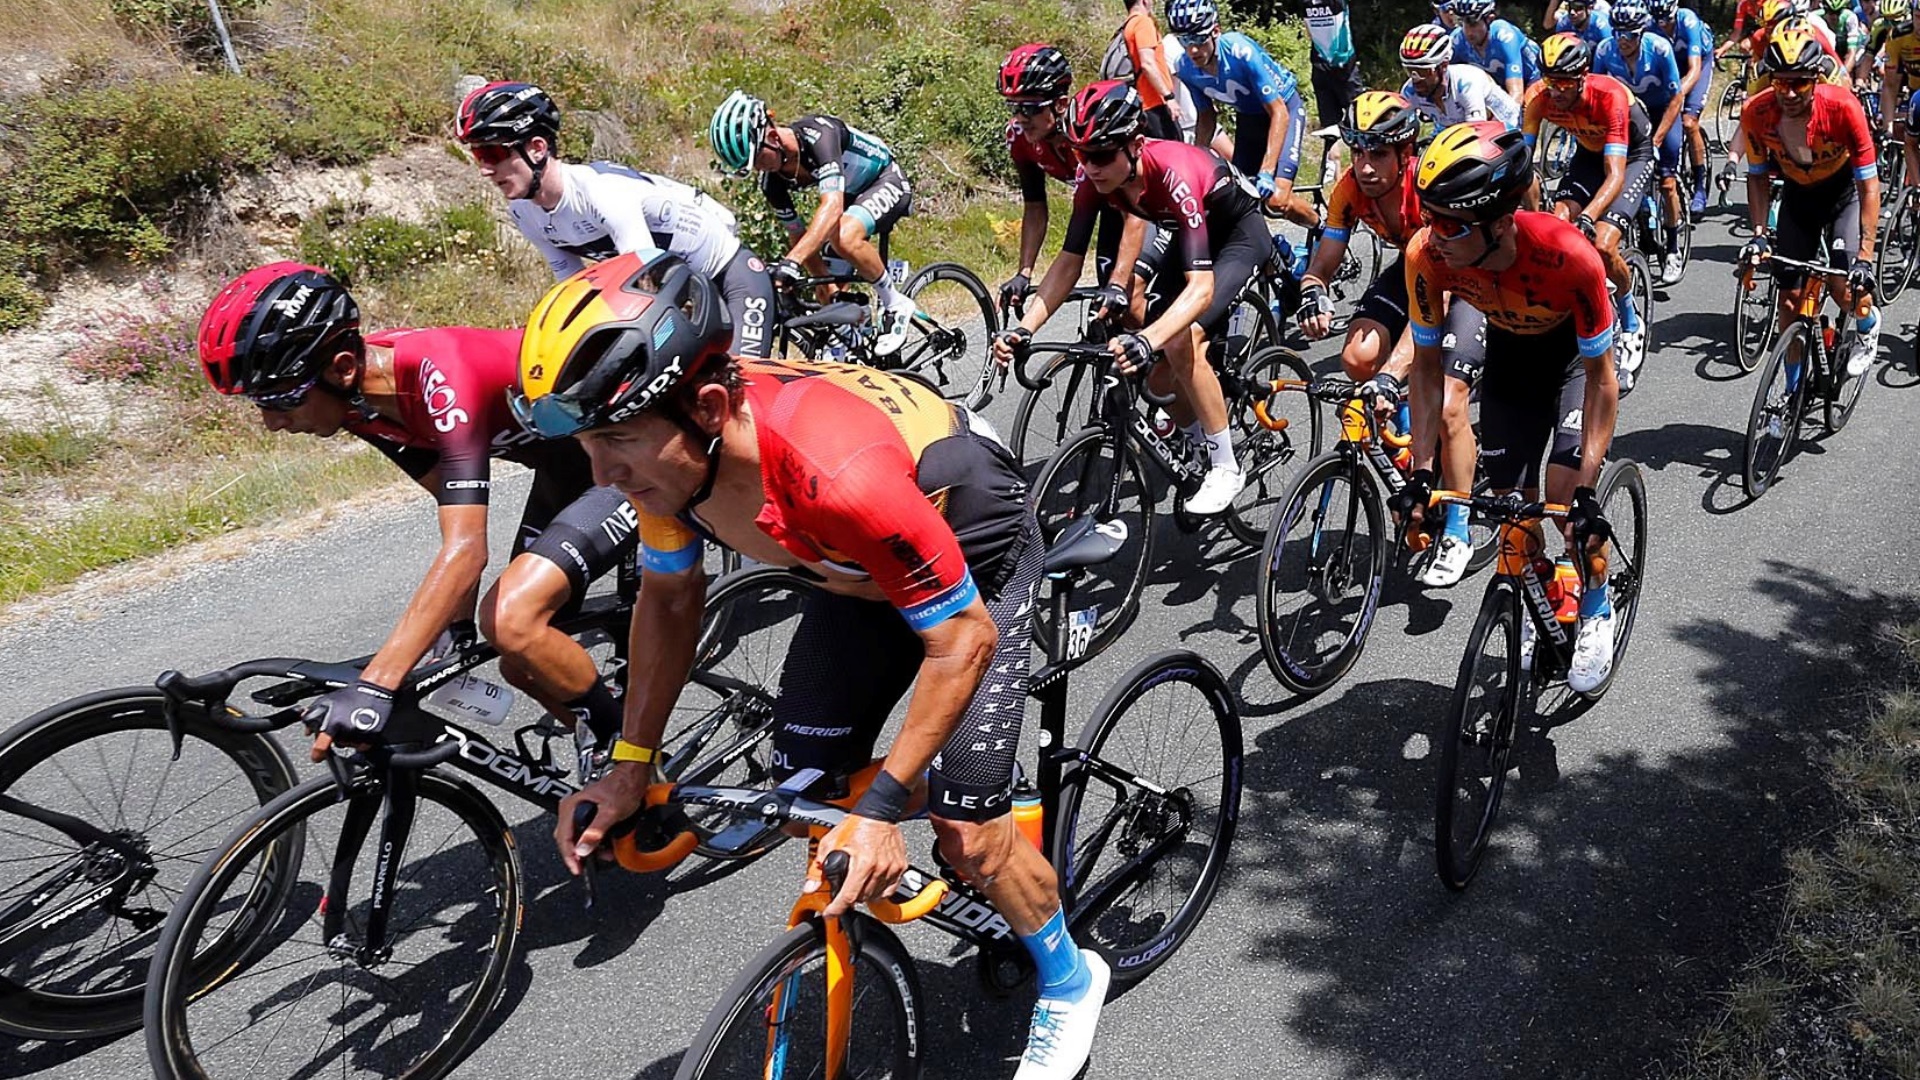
1640	280
1106	910
1622	481
1838	409
1364	502
56	988
1726	112
1775	417
174	1011
1457	861
951	342
1250	325
1046	418
1264	454
1898	252
1090	472
736	1037
1753	320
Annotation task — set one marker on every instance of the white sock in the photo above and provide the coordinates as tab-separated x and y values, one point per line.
883	290
1220	451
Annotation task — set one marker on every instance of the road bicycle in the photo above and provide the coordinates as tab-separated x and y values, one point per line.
1727	110
1324	560
1756	306
1652	235
1137	829
1518	648
1899	249
947	340
1107	428
384	943
1807	367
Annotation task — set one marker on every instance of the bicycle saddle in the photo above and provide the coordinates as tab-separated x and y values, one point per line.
838	313
1086	542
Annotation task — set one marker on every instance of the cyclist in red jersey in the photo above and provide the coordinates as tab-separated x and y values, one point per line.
1035	81
1816	136
1210	240
916	522
1746	19
1608	177
1377	189
1549	382
435	402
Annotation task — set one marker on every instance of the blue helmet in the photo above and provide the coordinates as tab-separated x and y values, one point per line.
1192	16
1664	10
1631	17
1474	11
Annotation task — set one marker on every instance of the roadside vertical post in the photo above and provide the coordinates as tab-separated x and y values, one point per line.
226	42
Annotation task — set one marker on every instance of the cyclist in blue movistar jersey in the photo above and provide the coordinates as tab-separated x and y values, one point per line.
1495	46
1231	69
1584	19
1693	48
1443	16
1645	62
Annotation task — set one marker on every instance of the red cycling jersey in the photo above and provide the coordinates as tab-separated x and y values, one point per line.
1348	204
868	474
452	385
1053	157
1187	189
1605	119
1557	276
1837	133
1745	16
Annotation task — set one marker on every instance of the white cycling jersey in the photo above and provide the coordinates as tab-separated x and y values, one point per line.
1466	93
608	209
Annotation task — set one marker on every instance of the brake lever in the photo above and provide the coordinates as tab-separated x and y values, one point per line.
582	817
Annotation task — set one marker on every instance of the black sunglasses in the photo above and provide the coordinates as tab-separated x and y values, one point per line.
1099	158
1028	108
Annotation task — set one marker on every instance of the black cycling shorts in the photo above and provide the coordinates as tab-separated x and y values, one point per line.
748	291
1464	343
1241	250
1334	88
1588	172
884	202
1158	123
851	661
584	533
1532	394
1808	216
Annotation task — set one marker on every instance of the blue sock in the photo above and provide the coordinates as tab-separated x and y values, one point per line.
1403	416
1063	971
1793	376
1457	521
1629	318
1595	602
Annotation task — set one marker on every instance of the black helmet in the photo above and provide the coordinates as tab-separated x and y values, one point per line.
276	327
1477	170
507	113
1105	113
1036	72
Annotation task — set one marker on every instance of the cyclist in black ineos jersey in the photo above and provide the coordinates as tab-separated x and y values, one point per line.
435	402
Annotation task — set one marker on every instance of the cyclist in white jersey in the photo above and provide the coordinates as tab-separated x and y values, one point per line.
1447	93
575	214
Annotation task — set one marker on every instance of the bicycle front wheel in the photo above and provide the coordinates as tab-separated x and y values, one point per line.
1321	573
1474	742
775	1018
953	326
1753	319
307	993
75	962
1148	812
1773	425
1622	494
1268	458
1095	476
1046	418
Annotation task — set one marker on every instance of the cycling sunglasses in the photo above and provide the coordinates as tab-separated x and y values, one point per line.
1195	41
285	400
1450	229
554	416
1099	158
492	153
1028	108
1632	35
1798	84
1366	141
1566	86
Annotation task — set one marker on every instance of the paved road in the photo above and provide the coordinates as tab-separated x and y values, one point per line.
1637	865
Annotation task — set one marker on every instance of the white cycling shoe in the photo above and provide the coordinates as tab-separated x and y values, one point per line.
1217	491
893	325
1527	636
1865	347
1449	565
1592	654
1060	1039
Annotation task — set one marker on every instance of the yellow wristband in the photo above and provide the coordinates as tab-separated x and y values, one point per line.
626	751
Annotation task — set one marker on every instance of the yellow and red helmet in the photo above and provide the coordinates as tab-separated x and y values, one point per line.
1794	49
1476	170
1566	56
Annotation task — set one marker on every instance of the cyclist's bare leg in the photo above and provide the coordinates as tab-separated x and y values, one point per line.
1670	199
1365	351
1910	154
1696	138
993	857
1195	384
516	615
851	244
1606	238
1458	450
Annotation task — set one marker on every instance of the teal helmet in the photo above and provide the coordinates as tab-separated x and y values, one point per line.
738	125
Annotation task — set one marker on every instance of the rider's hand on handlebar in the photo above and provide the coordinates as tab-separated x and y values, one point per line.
1411	502
1756	250
1111	303
1316	310
1861	278
1386	392
349	714
1014	293
1584	518
1585	224
1133	351
1010	345
876	854
787	274
1266	184
616	797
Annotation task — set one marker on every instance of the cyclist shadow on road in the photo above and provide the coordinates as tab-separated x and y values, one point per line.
1615	906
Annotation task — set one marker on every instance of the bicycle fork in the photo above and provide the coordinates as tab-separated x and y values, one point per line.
398	796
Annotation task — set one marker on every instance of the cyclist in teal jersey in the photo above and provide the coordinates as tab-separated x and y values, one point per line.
1335	69
863	193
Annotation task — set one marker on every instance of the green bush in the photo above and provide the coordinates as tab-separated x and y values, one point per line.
20	303
379	247
184	24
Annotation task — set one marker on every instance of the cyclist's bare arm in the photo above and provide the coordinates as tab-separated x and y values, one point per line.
1320	270
445	595
1613	182
1599	409
1869	190
1133	237
1426	394
1277	120
959	650
823	228
1759	201
1062	275
1033	232
1206	121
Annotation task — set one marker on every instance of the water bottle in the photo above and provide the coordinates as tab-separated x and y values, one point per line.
1283	249
1565	591
473	698
1028	816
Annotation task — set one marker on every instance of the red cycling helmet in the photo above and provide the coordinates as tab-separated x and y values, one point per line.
276	326
1105	113
1037	72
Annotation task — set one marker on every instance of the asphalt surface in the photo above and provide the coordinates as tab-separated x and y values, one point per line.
1638	858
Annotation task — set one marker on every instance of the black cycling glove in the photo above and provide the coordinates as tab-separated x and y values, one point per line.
1586	227
1111	302
1385	387
1014	293
1416	495
1137	352
1756	251
1861	278
1584	517
351	713
787	274
1315	300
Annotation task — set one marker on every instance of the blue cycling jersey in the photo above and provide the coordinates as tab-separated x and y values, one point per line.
1653	75
1692	39
1508	53
1599	27
1244	76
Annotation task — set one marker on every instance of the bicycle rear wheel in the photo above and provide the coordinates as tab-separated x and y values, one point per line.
1753	320
1474	742
1045	419
773	1021
1899	250
1098	477
948	340
1138	865
1773	425
1622	495
1321	573
80	918
299	997
1268	458
1838	409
